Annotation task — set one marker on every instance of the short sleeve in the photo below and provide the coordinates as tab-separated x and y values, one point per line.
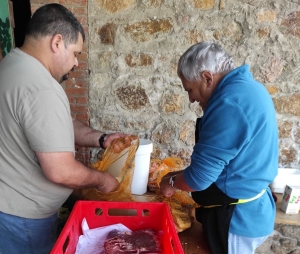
46	120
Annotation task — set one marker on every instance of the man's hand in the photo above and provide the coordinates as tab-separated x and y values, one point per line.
109	184
111	137
179	183
165	188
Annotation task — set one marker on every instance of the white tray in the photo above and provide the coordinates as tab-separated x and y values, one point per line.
286	176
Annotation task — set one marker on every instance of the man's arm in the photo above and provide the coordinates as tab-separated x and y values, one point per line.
88	137
62	168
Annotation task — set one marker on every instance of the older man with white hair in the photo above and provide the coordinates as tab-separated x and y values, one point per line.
235	157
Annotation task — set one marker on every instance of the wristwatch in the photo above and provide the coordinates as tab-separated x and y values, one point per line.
171	181
101	140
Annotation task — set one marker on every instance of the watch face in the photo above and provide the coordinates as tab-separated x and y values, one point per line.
171	181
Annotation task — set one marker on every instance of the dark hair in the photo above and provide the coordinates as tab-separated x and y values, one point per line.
52	19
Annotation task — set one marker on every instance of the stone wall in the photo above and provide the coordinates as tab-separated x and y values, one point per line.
127	78
285	239
134	47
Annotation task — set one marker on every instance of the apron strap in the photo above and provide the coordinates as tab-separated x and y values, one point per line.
242	201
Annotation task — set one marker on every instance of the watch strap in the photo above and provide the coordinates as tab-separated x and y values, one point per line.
101	140
171	181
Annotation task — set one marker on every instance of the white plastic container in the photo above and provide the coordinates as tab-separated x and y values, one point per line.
286	176
141	167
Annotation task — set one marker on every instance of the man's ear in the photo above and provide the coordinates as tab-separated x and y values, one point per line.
56	42
207	77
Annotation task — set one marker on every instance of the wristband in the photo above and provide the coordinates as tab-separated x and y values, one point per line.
101	140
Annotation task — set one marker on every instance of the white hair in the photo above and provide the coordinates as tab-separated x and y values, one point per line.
204	56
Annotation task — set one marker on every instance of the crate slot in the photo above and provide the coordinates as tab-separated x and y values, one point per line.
145	213
122	212
66	244
99	211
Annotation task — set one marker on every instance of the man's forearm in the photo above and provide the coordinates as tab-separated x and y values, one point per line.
62	169
85	135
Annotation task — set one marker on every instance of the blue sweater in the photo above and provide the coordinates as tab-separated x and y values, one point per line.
238	150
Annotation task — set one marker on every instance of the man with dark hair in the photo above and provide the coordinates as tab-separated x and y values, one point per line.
235	157
38	170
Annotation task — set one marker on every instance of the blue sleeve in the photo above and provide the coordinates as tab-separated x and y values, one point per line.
224	131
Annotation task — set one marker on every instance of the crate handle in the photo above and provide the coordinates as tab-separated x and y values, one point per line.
122	212
66	244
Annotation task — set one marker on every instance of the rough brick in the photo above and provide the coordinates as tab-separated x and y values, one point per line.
140	123
138	60
292	23
273	70
164	134
78	11
79	109
133	97
288	104
297	135
82	117
204	4
109	123
78	74
107	33
263	32
285	129
183	153
266	16
222	4
272	89
142	31
69	82
116	5
193	36
82	100
81	82
83	65
72	99
173	103
73	2
83	56
82	20
157	152
76	91
230	31
187	133
152	3
288	154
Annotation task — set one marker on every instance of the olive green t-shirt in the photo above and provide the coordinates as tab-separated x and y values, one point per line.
34	117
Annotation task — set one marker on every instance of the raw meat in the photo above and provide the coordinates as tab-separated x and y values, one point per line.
138	242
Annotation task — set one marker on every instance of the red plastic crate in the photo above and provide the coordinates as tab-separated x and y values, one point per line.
134	215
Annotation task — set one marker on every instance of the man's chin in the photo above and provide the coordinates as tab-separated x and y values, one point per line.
64	77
